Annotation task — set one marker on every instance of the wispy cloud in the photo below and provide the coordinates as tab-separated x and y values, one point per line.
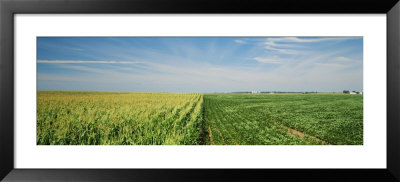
294	45
201	64
341	58
331	65
273	43
270	60
87	69
240	41
276	45
284	50
86	62
305	39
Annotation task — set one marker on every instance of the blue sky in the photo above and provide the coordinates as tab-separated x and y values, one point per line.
200	64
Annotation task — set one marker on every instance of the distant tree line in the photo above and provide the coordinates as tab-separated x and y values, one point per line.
244	92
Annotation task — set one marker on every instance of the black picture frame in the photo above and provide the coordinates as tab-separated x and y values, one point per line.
9	8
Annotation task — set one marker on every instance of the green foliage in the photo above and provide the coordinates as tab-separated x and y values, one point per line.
122	118
265	119
117	118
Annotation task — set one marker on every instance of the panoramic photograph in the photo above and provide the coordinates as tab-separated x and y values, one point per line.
199	91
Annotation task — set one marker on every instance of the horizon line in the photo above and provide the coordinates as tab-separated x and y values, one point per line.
254	91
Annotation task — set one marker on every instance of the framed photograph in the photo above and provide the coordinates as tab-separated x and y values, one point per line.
132	90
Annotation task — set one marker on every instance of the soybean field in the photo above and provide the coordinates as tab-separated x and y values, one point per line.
284	119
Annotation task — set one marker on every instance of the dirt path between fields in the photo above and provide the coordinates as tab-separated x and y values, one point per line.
220	134
234	140
300	134
210	135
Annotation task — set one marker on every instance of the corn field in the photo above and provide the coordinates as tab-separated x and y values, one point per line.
112	118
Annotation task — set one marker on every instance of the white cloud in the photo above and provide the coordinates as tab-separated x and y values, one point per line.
86	62
269	42
341	58
270	60
201	77
287	45
240	41
331	65
86	69
284	65
284	51
285	48
304	40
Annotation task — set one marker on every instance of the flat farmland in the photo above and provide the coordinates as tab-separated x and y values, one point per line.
284	119
118	118
132	118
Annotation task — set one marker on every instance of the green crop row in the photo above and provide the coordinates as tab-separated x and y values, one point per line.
284	119
104	118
